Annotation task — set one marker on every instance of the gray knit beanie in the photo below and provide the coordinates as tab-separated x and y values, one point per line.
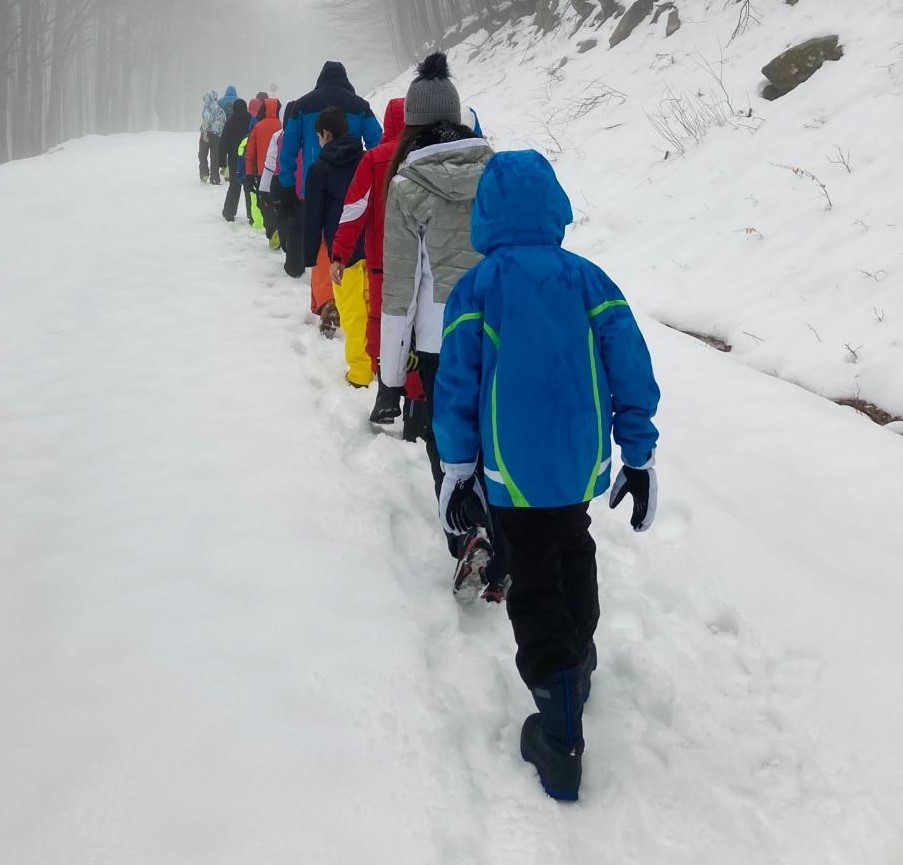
432	97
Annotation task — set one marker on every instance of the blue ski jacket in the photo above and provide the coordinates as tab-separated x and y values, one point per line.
299	141
541	360
228	99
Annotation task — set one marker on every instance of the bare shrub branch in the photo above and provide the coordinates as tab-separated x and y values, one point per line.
842	159
802	172
748	15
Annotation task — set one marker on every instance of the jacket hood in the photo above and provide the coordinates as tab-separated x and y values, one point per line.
231	93
334	73
451	170
519	202
210	97
272	108
240	110
342	150
254	107
393	124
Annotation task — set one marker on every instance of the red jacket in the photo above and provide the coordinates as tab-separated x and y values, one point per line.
365	204
259	139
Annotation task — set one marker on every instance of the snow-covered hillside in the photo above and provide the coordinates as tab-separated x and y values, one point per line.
726	240
227	635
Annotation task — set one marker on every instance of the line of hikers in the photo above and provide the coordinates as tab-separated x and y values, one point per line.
516	361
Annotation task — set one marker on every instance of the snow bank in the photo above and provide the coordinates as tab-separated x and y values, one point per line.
722	240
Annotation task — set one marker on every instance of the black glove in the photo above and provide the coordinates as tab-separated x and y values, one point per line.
289	202
462	505
642	485
264	199
413	361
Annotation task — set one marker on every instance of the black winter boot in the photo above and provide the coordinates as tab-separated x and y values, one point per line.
553	739
388	403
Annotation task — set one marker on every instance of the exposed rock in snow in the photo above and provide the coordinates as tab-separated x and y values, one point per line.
799	63
631	20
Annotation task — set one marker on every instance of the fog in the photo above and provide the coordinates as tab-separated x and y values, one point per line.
73	67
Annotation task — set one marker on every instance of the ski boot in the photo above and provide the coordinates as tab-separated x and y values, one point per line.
552	740
474	558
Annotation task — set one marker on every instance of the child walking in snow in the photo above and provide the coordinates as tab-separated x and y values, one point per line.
213	119
327	184
234	133
541	362
432	180
365	213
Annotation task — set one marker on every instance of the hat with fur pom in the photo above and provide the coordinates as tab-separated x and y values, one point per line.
432	97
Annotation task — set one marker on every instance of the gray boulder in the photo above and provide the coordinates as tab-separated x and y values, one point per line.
640	10
798	64
673	24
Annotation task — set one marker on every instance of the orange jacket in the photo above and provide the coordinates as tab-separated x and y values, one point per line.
259	139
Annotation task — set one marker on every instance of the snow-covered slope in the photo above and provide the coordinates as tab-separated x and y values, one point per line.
226	627
726	240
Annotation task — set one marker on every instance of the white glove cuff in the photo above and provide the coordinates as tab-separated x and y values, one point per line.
646	465
459	471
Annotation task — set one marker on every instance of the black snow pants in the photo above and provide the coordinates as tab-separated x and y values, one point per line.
553	602
233	196
208	148
499	566
281	222
294	240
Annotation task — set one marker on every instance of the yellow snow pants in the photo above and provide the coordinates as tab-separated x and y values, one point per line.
351	300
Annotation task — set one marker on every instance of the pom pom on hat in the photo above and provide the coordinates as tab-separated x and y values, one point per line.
435	66
432	97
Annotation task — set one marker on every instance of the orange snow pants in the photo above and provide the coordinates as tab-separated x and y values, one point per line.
320	282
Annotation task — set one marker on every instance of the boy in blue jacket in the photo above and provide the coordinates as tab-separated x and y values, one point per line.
541	362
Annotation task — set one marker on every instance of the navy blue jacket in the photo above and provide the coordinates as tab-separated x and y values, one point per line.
327	182
299	140
541	357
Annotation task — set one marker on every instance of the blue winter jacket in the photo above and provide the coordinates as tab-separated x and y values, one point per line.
541	357
228	99
333	90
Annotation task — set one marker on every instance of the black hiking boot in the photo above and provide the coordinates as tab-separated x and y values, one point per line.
388	403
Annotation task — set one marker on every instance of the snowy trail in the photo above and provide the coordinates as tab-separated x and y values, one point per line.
226	629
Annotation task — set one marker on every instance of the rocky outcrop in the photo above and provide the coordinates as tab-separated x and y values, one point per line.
673	24
798	64
607	9
640	10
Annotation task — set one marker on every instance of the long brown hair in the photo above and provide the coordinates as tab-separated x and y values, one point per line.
406	142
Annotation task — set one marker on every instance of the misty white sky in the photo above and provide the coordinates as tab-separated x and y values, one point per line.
287	43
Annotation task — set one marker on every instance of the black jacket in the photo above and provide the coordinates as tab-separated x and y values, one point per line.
234	132
327	182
